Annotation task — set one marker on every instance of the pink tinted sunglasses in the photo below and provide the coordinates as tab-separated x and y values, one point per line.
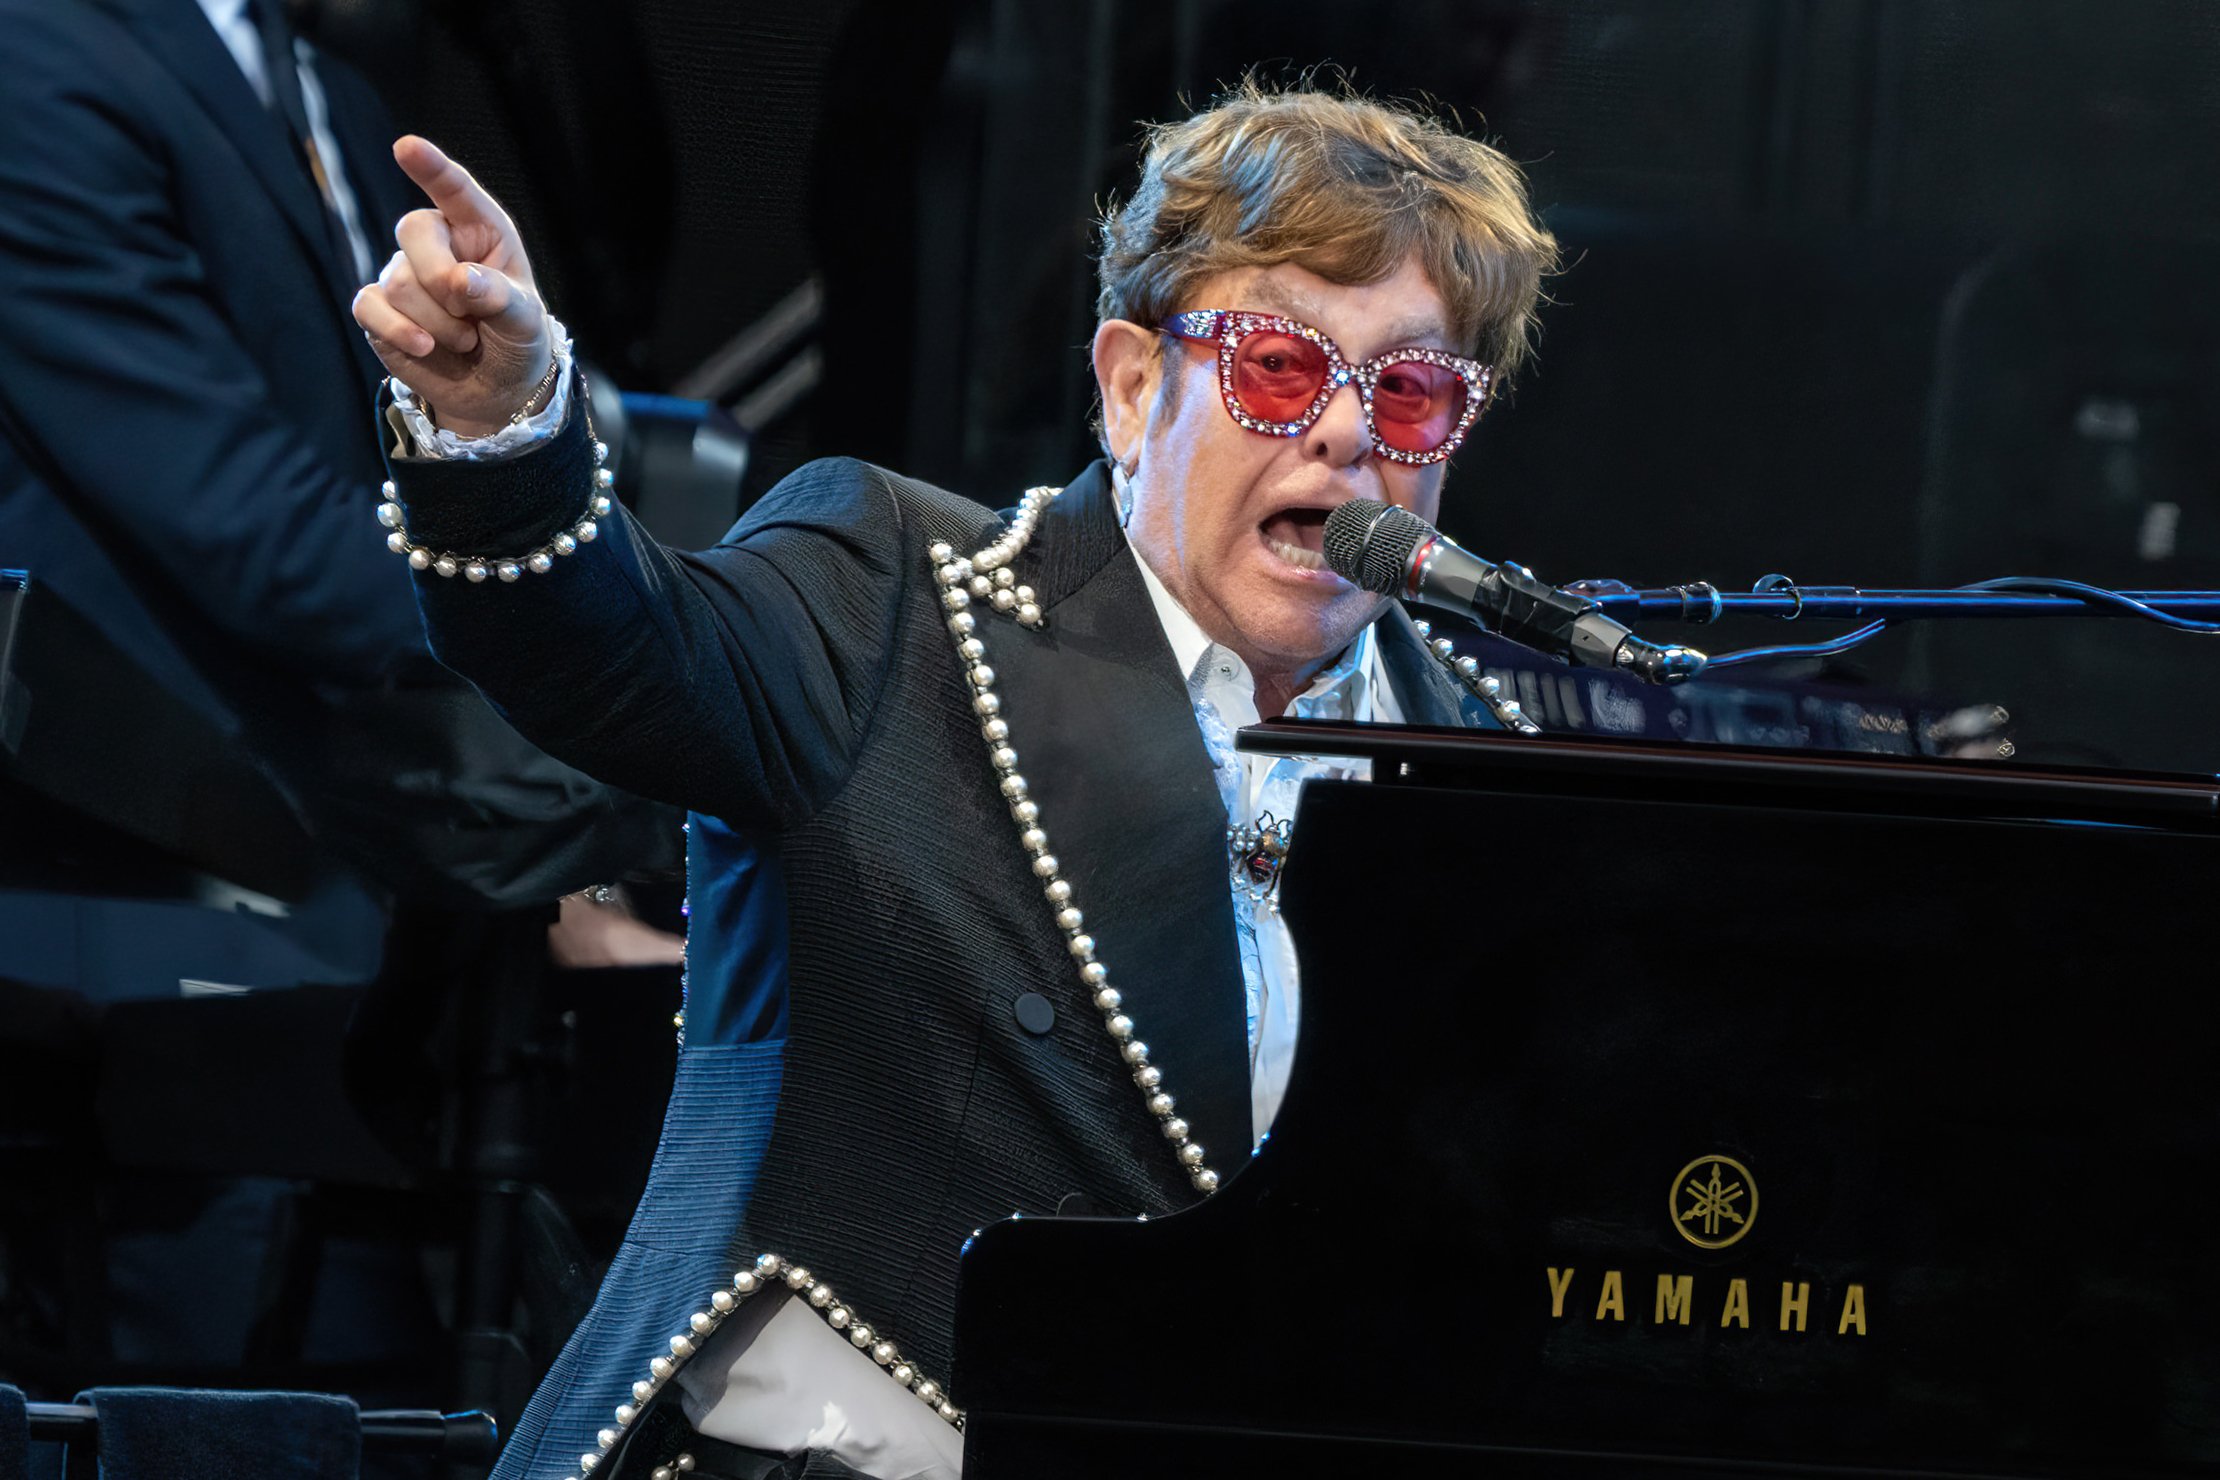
1277	375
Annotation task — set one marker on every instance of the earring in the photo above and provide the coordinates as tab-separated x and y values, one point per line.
1121	487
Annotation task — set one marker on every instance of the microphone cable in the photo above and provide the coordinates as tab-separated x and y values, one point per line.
2038	585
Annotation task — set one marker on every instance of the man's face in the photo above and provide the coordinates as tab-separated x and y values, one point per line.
1218	509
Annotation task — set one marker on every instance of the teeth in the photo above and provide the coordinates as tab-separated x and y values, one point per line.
1296	554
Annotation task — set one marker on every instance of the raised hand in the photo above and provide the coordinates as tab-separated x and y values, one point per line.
455	315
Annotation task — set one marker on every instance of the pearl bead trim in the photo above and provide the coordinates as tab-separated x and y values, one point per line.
475	568
768	1270
960	578
1507	711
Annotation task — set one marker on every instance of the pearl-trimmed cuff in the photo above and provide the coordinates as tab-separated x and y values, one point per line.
436	442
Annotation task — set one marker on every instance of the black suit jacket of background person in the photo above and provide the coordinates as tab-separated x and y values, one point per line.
182	389
187	455
856	881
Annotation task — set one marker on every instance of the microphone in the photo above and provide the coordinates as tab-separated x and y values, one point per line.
1386	548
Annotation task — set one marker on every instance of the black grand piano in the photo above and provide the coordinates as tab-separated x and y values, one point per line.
1678	1111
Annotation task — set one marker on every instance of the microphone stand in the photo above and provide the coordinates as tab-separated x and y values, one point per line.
1701	602
1779	597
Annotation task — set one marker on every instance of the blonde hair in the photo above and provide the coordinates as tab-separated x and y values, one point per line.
1342	185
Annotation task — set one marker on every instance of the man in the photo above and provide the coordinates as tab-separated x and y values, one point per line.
963	937
181	452
189	196
184	457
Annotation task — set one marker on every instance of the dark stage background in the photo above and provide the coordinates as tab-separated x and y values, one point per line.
1875	292
1880	292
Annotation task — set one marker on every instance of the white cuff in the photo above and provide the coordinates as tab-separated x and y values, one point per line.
437	442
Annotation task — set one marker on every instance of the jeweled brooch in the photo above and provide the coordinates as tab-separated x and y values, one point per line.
1255	851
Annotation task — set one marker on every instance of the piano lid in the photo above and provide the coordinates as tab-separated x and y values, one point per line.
1637	1131
1600	765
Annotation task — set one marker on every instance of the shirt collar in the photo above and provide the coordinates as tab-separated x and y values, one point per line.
236	30
1344	689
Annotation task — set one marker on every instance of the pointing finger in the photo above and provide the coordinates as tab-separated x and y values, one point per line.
451	187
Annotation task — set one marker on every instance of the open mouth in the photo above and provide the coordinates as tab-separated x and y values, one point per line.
1297	536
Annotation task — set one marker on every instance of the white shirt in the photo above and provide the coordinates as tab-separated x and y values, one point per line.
240	38
776	1377
1223	692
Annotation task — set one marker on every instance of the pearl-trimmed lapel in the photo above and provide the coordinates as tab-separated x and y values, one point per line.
1107	740
1106	735
1428	694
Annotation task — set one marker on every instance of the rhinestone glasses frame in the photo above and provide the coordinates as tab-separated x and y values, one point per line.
1228	327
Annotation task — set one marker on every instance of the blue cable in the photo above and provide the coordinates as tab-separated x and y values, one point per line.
2096	595
2093	595
1826	649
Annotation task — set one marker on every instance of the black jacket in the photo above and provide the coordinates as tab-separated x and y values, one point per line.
184	451
187	455
798	690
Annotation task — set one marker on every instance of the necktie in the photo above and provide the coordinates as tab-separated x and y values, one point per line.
286	100
283	72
